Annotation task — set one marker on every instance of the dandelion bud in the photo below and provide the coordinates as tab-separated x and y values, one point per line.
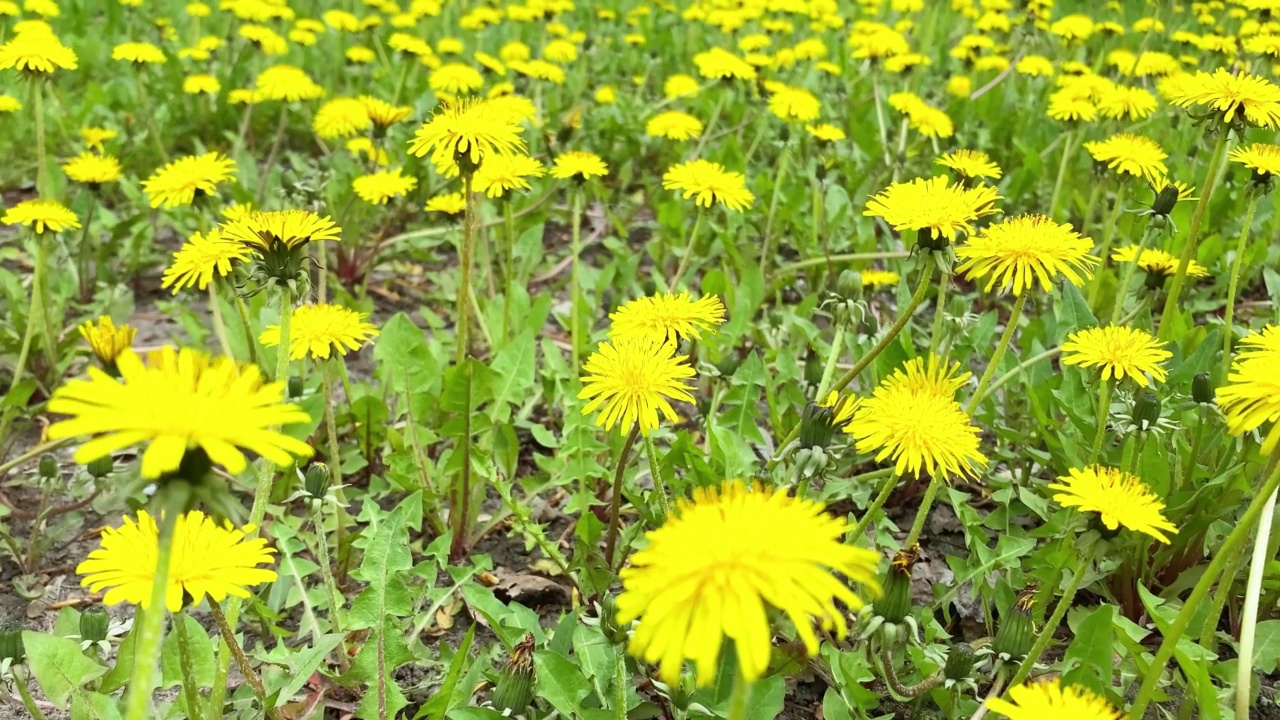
728	365
681	694
813	369
895	604
514	690
102	466
1146	409
959	662
295	386
316	482
614	631
817	423
48	466
1202	388
1165	200
11	647
93	624
1015	634
850	284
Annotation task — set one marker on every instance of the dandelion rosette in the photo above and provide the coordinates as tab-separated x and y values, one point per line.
1019	251
1118	351
1118	498
667	316
715	567
207	559
320	329
176	401
632	381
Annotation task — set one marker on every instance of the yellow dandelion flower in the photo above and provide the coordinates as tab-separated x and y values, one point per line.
341	20
825	132
37	53
201	83
180	181
141	53
176	401
794	104
364	146
709	183
456	79
503	173
93	169
1018	251
41	215
449	203
720	64
379	187
1253	98
384	114
9	104
970	164
1156	261
1131	154
200	259
341	117
539	70
632	381
1046	700
1261	158
879	278
106	340
317	330
673	125
287	83
582	165
1251	396
560	51
265	230
715	567
912	418
667	316
208	560
1035	66
842	408
1126	103
1117	351
267	40
605	95
360	55
935	204
1067	107
680	85
472	130
1118	497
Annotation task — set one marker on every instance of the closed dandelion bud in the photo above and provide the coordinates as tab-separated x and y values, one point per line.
895	604
959	662
93	624
728	365
48	466
850	284
817	424
1202	388
1165	200
514	690
11	647
812	369
614	631
101	467
1146	409
296	386
316	481
1015	634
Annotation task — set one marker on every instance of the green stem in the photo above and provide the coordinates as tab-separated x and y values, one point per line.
25	692
144	99
833	357
1059	612
82	263
242	661
1104	412
219	326
249	339
1196	438
575	278
1249	622
464	271
655	469
190	688
1234	285
508	267
274	154
884	133
615	502
779	177
922	514
1018	370
42	172
939	312
886	489
331	425
1193	603
150	631
330	584
688	251
1067	147
1208	633
34	309
1014	316
620	688
1189	247
1122	290
739	697
1108	235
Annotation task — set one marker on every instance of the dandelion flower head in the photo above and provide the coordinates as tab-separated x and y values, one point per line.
177	183
667	316
1251	395
1019	251
263	230
41	215
971	164
935	204
319	329
1049	700
106	340
632	380
379	187
1131	154
709	183
1251	98
1117	497
471	129
201	258
1118	351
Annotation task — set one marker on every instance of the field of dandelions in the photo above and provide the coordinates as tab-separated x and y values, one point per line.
739	359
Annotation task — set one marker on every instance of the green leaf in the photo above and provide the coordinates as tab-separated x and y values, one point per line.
59	666
1091	649
94	706
514	367
475	713
1266	647
560	682
402	354
202	660
438	705
597	657
120	673
767	697
1072	311
298	665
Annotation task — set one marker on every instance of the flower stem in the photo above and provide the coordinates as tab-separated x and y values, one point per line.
25	692
1196	438
739	696
242	661
779	176
615	502
508	266
464	270
273	155
252	342
1189	608
575	278
460	508
190	687
939	312
655	469
1189	247
1122	290
1209	631
173	499
1108	235
1067	147
1249	621
34	308
886	489
1234	286
689	245
828	372
82	264
1055	619
330	584
922	514
42	172
1104	412
219	326
1014	316
331	425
